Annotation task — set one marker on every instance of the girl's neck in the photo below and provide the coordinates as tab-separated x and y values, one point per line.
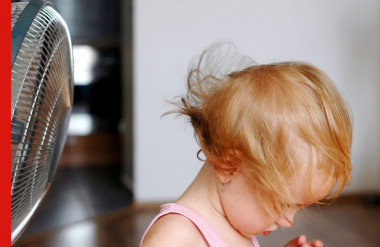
202	196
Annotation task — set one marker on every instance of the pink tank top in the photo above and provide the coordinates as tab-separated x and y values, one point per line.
208	233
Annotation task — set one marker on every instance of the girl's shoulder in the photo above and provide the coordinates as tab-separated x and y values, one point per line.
173	230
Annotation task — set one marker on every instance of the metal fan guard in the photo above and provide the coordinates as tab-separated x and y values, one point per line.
41	100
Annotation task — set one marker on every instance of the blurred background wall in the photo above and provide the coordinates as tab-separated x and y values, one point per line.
341	37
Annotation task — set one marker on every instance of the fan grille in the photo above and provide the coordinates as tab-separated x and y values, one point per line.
41	99
16	9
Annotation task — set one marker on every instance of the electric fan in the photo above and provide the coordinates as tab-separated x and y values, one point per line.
42	97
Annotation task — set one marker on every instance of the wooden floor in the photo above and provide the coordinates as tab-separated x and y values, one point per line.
346	223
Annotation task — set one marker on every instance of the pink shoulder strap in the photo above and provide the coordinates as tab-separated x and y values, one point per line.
210	235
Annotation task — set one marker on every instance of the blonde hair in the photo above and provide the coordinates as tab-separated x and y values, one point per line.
257	113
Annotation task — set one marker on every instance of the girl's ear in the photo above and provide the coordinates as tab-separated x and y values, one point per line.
227	167
224	175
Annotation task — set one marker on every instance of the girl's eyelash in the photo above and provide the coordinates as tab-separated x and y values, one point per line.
289	205
294	205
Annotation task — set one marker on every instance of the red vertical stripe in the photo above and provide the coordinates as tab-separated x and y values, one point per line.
5	125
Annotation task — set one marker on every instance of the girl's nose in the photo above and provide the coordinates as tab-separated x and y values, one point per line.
287	219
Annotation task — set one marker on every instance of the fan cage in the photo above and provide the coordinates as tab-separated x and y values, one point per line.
16	10
42	91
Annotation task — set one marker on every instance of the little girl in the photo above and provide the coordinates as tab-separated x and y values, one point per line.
276	138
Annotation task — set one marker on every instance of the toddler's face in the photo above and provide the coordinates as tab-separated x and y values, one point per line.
248	216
